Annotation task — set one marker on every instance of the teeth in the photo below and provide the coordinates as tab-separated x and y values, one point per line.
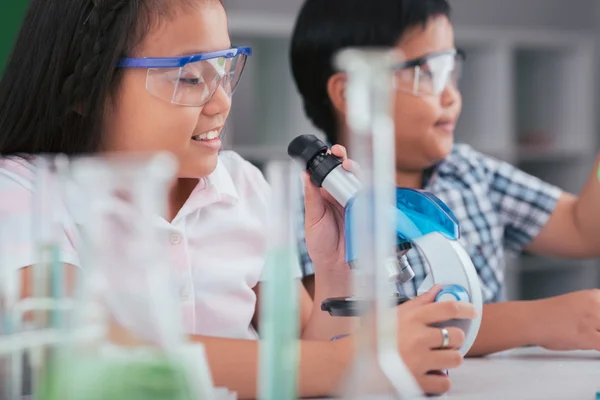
207	136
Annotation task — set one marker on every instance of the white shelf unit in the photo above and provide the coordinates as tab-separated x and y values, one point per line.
528	99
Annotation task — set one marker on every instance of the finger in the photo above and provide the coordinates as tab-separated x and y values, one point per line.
445	311
435	383
352	166
434	338
442	360
425	298
339	151
314	204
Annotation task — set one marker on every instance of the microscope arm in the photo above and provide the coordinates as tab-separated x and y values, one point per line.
451	267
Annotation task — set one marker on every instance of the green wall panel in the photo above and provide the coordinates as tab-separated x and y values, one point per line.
11	16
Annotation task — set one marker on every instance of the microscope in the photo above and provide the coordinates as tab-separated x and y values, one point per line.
422	221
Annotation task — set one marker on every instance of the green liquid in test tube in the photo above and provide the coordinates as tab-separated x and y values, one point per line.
93	379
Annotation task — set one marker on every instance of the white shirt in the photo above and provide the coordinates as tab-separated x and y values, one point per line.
217	242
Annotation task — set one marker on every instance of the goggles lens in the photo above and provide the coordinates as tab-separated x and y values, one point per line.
195	83
430	75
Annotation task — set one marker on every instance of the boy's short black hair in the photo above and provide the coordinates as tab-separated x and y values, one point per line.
324	27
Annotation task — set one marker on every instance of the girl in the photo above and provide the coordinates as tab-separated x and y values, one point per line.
498	206
97	76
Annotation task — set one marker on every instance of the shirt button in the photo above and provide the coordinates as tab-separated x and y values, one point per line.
175	238
184	295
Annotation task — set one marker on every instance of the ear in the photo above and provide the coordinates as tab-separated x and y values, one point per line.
336	90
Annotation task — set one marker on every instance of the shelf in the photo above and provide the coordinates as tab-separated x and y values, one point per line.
554	98
261	24
486	119
526	38
544	277
570	174
550	154
533	154
280	24
539	86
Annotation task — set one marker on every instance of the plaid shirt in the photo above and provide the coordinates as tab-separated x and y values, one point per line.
500	208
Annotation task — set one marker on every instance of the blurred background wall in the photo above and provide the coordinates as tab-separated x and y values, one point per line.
530	88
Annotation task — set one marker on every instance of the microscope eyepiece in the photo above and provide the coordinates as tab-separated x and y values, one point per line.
311	152
306	147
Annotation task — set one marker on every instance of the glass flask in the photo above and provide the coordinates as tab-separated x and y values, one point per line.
126	338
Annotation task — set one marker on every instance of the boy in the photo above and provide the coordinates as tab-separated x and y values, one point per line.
498	206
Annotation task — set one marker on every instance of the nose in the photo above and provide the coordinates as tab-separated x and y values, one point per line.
219	103
449	95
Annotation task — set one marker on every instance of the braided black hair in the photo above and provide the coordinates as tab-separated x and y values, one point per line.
92	48
55	87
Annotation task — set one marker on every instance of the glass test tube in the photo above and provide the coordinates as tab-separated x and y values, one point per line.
5	328
371	125
279	323
48	272
10	365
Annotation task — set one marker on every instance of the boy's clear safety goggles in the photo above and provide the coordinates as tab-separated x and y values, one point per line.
431	74
192	80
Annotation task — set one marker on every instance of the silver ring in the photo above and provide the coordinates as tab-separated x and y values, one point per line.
445	338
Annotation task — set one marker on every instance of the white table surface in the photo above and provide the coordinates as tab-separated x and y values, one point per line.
528	374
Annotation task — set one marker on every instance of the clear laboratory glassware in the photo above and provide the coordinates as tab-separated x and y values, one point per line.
378	371
279	308
126	337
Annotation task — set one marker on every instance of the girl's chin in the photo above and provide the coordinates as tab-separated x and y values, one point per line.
198	168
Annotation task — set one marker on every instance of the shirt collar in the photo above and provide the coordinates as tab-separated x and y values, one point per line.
215	188
221	181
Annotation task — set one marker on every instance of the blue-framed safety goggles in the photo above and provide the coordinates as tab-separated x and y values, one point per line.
194	79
